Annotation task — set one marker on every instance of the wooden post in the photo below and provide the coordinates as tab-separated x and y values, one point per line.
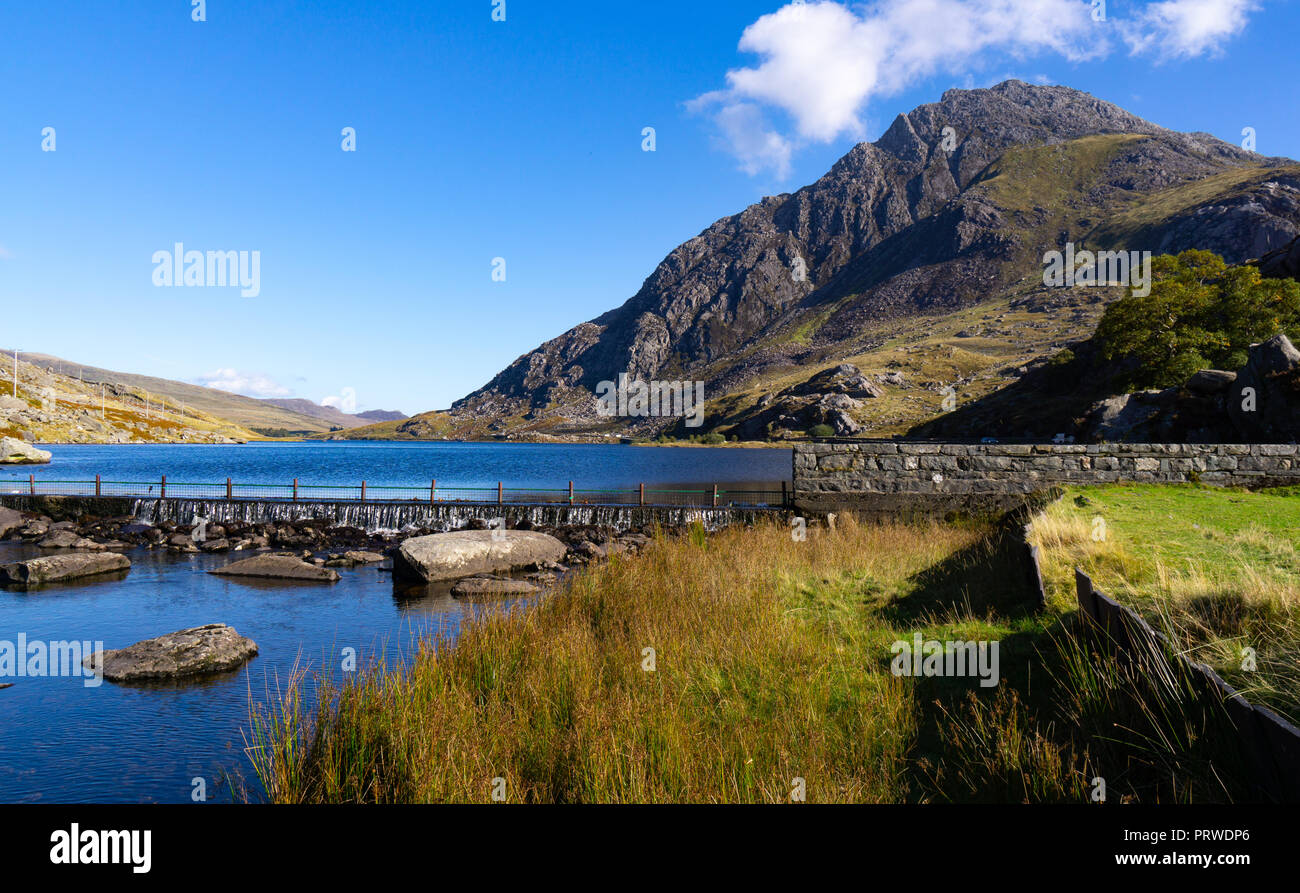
363	491
785	498
715	495
295	489
162	493
500	493
230	489
433	489
97	489
31	482
570	492
643	492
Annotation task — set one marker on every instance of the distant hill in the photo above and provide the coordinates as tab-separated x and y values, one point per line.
260	416
53	407
382	415
333	417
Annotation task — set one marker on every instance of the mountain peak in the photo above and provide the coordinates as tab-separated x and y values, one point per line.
898	227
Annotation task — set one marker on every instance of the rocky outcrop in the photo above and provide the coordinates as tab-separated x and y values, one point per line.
1284	263
16	452
62	568
190	653
451	556
830	397
1272	374
278	567
1257	404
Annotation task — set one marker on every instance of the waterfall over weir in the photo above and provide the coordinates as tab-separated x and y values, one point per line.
395	517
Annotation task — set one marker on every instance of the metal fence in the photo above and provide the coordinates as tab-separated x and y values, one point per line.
704	495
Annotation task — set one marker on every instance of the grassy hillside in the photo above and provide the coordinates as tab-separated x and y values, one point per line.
54	408
244	412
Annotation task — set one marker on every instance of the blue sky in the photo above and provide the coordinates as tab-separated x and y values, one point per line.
477	139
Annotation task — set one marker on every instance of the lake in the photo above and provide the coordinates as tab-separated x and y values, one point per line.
519	465
61	741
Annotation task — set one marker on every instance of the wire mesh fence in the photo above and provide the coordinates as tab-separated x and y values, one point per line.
776	495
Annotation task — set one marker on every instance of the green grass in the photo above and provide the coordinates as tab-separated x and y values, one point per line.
772	664
1218	570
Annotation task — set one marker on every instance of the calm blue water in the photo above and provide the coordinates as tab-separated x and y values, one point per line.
519	465
63	742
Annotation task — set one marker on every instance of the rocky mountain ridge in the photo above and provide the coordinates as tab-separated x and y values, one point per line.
952	207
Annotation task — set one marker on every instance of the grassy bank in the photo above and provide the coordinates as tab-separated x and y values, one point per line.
770	664
1217	570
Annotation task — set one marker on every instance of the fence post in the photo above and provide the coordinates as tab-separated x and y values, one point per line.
643	493
433	489
295	489
500	494
785	498
97	488
570	492
230	490
715	495
31	482
363	491
162	493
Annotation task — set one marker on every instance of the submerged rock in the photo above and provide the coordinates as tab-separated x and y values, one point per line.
492	586
278	567
15	452
62	568
200	651
449	556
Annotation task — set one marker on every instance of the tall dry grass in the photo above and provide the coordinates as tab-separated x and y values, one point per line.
770	672
767	668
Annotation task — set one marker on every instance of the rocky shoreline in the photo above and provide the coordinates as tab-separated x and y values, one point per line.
482	560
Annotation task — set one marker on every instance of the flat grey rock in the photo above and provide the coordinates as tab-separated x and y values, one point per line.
200	651
62	568
487	586
278	567
463	553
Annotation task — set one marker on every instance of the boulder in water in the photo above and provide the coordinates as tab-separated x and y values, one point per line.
278	567
450	556
62	568
200	651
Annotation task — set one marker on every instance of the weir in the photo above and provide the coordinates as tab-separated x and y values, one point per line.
385	517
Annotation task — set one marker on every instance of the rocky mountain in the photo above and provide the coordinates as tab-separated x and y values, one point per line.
917	258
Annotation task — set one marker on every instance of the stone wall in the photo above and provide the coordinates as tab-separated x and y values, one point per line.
890	477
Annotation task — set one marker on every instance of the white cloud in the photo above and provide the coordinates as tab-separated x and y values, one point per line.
821	63
345	403
252	384
1187	28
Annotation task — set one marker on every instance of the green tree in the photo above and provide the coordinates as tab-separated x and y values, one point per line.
1200	314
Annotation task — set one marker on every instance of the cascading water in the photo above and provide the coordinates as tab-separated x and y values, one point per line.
380	517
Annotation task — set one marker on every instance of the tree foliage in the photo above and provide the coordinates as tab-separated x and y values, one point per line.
1200	314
